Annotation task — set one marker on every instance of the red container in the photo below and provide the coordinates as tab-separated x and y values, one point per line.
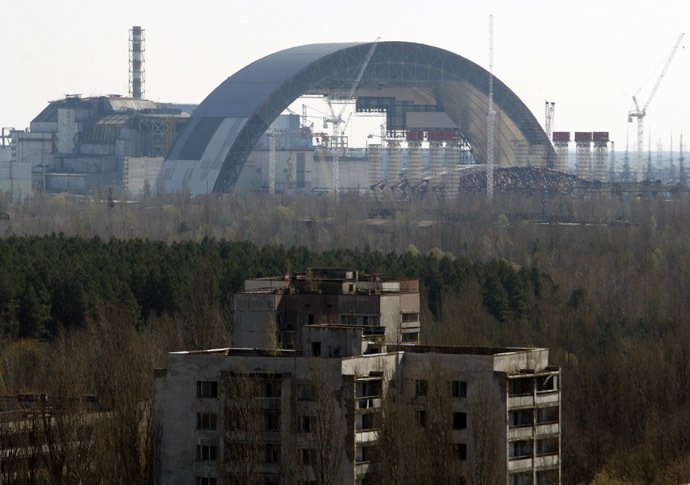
583	136
561	136
601	136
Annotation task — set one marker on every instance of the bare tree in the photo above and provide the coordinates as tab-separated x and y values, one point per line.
243	428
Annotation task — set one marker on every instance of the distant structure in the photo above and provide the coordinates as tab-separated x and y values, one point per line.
416	87
315	412
136	62
83	145
583	154
601	141
561	140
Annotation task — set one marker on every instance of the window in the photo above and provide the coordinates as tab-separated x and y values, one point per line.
368	388
548	415
520	449
524	417
272	388
364	454
206	421
410	317
271	453
206	389
547	383
366	422
308	456
316	349
410	337
521	386
421	386
307	424
310	319
523	478
547	446
206	452
366	320
420	418
547	477
305	392
459	420
460	451
458	388
205	481
272	420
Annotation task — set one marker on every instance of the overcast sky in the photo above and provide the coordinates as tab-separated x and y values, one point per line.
589	57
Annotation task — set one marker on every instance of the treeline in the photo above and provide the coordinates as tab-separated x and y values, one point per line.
55	283
602	283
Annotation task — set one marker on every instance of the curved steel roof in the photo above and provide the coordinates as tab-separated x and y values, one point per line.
223	130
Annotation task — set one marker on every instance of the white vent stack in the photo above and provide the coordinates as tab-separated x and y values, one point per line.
136	62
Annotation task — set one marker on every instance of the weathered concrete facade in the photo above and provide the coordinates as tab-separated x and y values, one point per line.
195	402
277	308
262	414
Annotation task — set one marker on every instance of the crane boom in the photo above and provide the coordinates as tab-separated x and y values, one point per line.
641	113
663	71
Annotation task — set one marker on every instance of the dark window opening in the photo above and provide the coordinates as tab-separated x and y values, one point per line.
459	420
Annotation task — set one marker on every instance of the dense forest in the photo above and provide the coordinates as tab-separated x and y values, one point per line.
88	291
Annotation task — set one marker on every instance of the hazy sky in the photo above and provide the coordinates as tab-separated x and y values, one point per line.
589	57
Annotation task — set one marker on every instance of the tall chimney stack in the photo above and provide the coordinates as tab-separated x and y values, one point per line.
136	62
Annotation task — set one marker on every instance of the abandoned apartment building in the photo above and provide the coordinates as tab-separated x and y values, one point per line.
311	409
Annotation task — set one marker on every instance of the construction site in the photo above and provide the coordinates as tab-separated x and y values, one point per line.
373	118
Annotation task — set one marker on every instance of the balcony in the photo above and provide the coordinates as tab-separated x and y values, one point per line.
520	464
548	397
368	402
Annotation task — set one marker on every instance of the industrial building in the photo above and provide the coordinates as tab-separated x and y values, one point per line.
81	145
432	100
317	412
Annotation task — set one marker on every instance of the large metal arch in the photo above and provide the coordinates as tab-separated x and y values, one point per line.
211	151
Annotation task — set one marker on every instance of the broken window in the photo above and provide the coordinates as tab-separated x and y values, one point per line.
366	422
547	383
272	420
421	387
316	349
460	451
307	424
364	453
459	420
521	386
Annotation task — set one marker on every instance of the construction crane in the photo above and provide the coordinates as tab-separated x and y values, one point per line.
336	121
641	113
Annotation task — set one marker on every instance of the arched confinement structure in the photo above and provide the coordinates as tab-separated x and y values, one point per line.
401	78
